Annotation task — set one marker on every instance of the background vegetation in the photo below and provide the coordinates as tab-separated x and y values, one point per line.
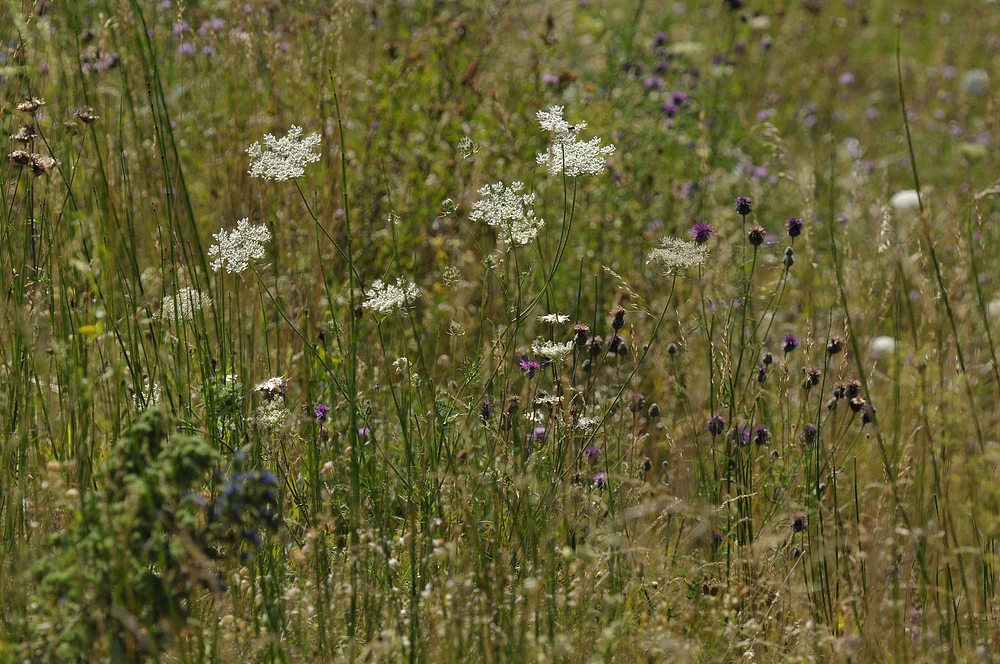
450	505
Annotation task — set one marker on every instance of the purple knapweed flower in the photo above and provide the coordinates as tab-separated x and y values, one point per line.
761	436
592	453
790	343
794	226
529	366
186	48
364	432
320	411
537	434
700	233
601	480
716	425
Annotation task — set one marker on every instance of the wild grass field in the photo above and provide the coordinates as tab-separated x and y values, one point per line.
462	331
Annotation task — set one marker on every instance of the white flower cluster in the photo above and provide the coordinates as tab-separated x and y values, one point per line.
567	154
553	319
386	298
271	415
551	350
149	397
509	212
677	255
273	388
285	158
236	249
182	305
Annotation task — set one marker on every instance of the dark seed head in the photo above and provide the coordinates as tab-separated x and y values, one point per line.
618	322
744	205
756	236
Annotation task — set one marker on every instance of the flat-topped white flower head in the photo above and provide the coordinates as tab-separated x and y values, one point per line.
182	305
551	350
567	154
678	255
509	211
284	158
235	250
387	298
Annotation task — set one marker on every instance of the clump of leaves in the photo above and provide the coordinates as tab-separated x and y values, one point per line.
119	580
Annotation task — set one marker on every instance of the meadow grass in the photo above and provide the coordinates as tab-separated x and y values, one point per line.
463	331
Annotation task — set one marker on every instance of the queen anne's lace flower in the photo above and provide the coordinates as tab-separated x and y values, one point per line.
509	212
567	154
553	319
182	305
386	298
552	350
285	158
677	255
236	249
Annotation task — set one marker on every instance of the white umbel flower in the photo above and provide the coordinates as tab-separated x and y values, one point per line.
551	350
273	388
271	415
509	211
567	154
387	298
235	250
285	158
553	319
182	305
678	255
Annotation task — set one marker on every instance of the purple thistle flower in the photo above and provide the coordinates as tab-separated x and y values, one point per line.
744	205
320	411
529	366
794	226
761	436
537	434
741	435
592	453
716	425
601	480
701	232
790	343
